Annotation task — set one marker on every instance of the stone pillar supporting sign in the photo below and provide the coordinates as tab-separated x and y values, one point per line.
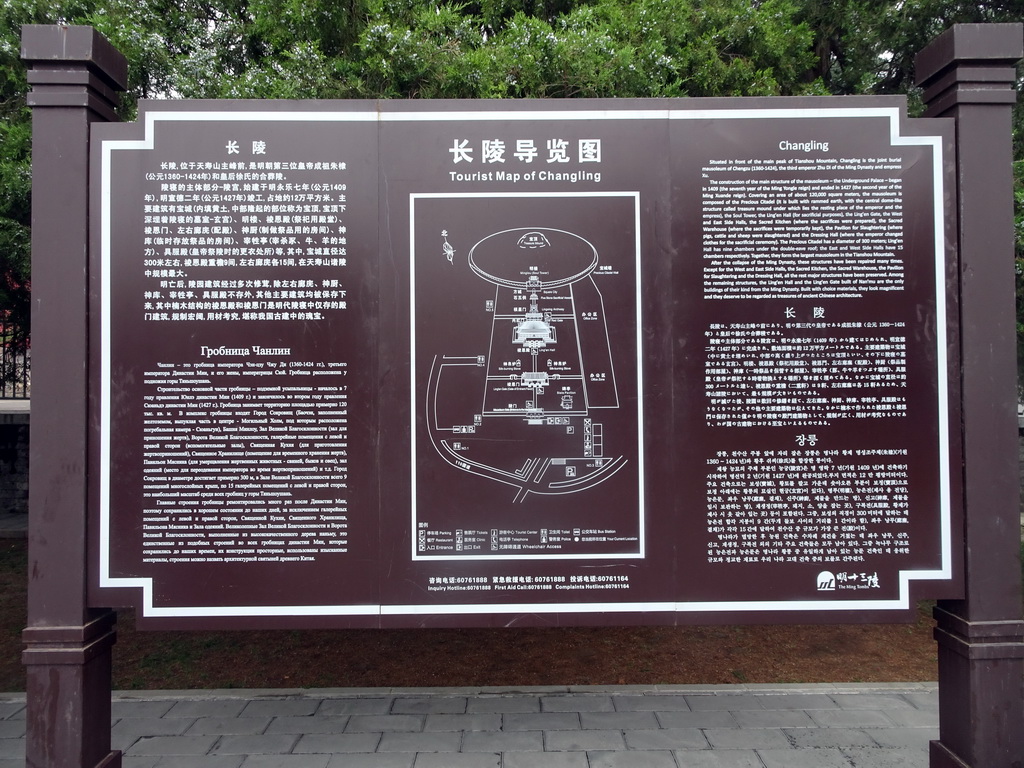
968	73
75	74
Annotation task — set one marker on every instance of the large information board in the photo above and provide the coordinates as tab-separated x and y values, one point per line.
452	363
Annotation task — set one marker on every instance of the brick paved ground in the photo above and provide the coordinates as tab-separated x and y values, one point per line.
799	726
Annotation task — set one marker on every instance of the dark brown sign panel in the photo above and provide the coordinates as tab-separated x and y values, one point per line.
393	364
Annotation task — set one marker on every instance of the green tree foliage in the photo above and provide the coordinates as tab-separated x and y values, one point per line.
478	49
606	48
869	46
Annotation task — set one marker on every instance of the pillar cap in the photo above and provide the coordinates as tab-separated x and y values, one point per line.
56	44
978	44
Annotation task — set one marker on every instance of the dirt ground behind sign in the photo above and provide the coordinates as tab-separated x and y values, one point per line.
479	657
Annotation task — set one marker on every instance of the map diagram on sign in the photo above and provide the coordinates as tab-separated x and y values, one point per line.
526	428
549	370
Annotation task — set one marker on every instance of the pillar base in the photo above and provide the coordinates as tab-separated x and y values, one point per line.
68	695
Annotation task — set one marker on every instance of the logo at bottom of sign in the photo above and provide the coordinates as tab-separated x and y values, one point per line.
826	581
830	582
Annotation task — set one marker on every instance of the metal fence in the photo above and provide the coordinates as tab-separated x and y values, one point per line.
15	365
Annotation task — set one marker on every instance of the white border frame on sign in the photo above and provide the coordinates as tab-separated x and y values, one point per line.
892	114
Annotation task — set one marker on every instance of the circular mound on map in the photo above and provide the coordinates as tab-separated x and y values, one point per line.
533	258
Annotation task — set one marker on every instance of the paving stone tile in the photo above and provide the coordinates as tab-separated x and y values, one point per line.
447	760
798	701
502	741
583	741
708	719
152	726
545	760
201	761
489	722
852	718
720	758
667	738
926	701
435	691
314	724
12	729
389	760
9	709
747	738
541	721
172	745
127	732
150	761
12	749
264	744
904	737
503	704
441	705
631	760
335	707
730	702
379	723
207	708
229	725
811	758
914	718
440	741
329	743
654	703
286	761
576	704
280	708
123	743
139	709
620	721
829	737
773	718
866	757
881	701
